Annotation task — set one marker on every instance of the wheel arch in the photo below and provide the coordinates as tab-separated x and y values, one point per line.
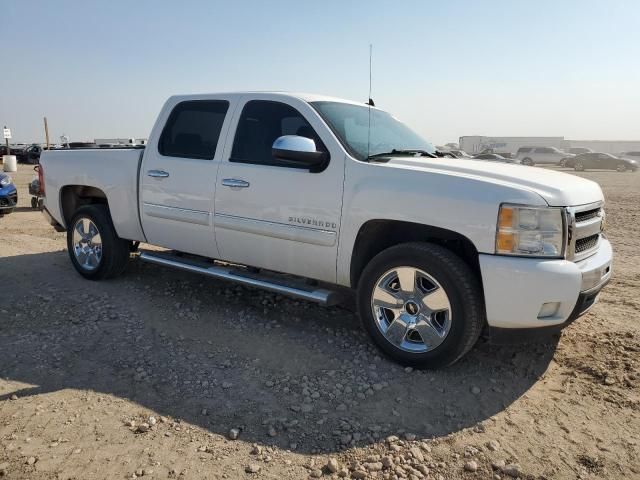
73	197
374	236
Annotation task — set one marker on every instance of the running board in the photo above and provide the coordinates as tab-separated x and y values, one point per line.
240	275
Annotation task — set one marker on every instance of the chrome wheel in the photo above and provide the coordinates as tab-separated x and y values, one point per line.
87	244
411	309
621	167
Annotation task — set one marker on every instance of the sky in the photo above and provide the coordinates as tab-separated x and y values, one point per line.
447	68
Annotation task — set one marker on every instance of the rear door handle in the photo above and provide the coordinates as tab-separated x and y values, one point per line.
234	182
158	173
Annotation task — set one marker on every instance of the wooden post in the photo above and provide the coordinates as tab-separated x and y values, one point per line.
46	131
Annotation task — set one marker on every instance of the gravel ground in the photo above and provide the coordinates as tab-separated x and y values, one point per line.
161	374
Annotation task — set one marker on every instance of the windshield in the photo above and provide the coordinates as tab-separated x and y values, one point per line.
351	125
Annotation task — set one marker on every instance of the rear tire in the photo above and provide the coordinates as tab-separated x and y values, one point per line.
528	162
448	301
94	247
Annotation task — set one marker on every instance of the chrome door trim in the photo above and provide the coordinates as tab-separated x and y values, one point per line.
296	233
176	213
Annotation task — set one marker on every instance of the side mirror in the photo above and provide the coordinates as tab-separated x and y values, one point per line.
299	151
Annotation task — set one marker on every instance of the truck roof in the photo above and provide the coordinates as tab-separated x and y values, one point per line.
307	97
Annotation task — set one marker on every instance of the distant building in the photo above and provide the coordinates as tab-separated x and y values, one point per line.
477	143
120	141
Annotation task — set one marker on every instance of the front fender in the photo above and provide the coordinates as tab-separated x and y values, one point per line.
465	205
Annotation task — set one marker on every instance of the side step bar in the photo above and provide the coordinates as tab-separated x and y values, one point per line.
239	275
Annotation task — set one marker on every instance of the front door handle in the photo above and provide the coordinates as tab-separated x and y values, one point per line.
234	182
158	173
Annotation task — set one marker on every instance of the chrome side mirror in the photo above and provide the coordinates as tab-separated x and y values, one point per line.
297	150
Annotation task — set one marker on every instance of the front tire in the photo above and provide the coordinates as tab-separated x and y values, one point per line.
94	247
621	167
579	167
528	162
421	304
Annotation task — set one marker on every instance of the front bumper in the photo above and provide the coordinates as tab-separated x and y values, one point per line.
517	288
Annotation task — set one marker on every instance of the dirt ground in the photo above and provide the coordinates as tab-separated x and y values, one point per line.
162	374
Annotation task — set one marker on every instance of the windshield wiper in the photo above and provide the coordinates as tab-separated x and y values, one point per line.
409	151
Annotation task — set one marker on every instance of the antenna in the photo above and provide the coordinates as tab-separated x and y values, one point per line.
370	102
370	60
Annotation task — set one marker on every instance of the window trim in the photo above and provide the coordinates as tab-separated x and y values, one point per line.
278	163
171	116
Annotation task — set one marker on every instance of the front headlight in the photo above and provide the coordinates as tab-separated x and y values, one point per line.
530	231
5	180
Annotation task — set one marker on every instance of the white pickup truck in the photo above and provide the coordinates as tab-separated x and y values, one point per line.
304	194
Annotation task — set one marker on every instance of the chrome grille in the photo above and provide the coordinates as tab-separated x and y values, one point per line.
584	244
584	225
587	215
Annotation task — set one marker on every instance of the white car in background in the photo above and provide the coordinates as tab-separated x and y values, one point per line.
541	155
494	157
460	154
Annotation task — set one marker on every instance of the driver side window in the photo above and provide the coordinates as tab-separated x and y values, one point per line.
261	123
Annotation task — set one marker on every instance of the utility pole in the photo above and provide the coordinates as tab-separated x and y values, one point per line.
46	131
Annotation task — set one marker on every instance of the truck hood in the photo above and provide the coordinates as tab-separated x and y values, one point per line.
556	188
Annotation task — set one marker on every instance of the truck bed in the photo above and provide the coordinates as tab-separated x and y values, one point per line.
113	171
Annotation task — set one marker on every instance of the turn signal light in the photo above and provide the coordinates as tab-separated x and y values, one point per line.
505	220
505	241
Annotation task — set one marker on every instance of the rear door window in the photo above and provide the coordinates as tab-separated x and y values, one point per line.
193	129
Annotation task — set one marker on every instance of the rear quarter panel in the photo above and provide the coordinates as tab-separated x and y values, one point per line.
113	171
